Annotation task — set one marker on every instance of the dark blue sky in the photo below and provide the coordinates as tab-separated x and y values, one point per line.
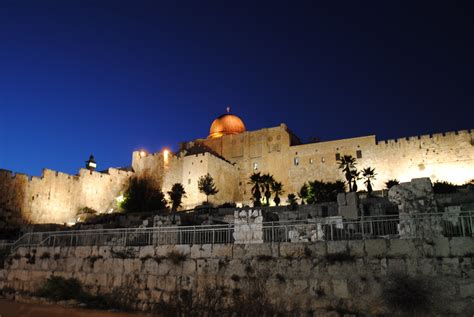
109	77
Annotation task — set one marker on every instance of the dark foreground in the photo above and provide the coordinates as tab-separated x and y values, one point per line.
15	309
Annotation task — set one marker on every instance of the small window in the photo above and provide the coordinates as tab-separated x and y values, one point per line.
255	166
324	211
338	156
323	160
359	154
311	161
189	181
296	161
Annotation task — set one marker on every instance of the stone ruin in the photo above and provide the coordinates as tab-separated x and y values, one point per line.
414	199
348	205
248	227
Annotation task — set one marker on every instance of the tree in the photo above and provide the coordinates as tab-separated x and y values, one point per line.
391	182
206	186
277	188
176	195
347	163
292	200
267	182
142	195
319	191
368	174
303	193
256	181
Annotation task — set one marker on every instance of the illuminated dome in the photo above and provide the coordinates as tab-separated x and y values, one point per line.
225	125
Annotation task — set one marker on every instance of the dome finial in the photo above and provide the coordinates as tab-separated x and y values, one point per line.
228	109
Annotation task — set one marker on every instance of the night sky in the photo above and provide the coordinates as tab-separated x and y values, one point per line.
110	77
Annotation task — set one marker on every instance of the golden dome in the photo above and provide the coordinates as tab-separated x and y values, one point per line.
225	125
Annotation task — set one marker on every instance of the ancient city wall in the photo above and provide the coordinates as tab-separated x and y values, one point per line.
303	277
57	197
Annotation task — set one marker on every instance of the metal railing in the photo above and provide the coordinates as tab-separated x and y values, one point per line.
325	229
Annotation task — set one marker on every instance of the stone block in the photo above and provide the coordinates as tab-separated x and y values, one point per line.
293	250
401	248
337	247
461	246
340	288
341	199
376	248
222	250
147	251
356	248
201	251
349	212
466	290
440	247
150	267
82	252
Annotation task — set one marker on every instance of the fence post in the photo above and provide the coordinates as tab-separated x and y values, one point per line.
125	237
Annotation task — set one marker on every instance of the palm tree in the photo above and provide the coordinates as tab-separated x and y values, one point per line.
347	163
303	193
206	186
277	188
292	201
355	177
368	174
256	181
176	195
391	182
267	182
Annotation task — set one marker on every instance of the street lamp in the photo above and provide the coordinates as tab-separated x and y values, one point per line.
91	165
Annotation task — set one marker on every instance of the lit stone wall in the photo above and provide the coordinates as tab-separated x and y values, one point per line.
56	197
442	157
318	277
187	170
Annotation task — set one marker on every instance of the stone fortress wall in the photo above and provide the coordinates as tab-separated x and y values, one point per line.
442	157
56	197
314	277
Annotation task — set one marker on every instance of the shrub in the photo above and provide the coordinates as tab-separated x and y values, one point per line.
124	254
58	288
444	188
87	210
407	294
176	257
391	182
45	255
143	195
227	205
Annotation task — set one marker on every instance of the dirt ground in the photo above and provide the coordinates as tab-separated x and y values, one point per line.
14	309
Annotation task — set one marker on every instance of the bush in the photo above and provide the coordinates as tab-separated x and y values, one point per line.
143	195
58	288
227	205
176	257
407	294
444	188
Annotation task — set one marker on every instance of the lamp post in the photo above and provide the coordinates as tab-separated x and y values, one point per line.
91	164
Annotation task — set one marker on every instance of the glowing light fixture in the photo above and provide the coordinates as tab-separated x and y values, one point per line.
143	153
166	154
91	164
